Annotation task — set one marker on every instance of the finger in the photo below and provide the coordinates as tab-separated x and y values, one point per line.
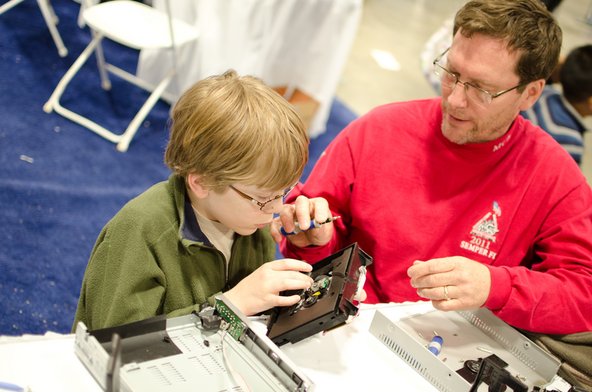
304	210
434	280
433	266
320	209
293	282
452	304
274	230
440	293
291	265
286	217
286	300
361	296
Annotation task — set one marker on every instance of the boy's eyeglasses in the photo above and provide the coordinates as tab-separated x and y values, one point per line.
477	94
265	206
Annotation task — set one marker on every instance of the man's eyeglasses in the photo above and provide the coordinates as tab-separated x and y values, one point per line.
476	94
265	206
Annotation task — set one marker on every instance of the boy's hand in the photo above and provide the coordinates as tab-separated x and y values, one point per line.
260	290
303	211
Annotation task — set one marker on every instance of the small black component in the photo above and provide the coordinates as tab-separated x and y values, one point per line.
210	320
473	365
492	373
139	341
114	364
206	343
575	388
471	368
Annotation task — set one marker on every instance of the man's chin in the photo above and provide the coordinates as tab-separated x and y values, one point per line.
455	135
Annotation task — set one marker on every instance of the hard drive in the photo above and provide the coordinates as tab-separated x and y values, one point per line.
328	303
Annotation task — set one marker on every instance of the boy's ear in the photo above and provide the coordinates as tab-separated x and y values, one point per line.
195	185
533	90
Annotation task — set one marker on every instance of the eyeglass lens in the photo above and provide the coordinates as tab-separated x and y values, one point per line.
450	80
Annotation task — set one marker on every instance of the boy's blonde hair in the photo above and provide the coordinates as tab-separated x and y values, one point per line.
235	129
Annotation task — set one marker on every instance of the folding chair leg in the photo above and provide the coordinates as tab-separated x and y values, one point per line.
53	103
101	65
54	99
50	20
122	140
6	6
131	130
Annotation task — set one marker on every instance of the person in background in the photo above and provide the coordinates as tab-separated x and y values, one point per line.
551	4
561	111
459	199
235	149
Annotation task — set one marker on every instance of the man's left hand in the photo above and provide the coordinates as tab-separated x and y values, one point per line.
451	283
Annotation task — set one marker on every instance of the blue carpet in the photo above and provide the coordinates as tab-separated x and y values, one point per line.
60	183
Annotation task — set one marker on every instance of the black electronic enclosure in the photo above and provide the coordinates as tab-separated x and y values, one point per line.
328	303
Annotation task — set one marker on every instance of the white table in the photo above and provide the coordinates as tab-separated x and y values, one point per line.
44	363
296	43
348	358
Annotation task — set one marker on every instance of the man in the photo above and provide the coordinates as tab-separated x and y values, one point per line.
562	115
460	200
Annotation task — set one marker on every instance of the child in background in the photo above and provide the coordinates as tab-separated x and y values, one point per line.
561	109
236	148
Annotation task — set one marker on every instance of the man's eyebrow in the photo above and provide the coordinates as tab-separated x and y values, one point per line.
477	82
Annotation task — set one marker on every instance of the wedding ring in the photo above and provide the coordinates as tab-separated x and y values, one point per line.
446	297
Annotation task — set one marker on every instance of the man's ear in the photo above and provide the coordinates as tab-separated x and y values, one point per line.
195	185
533	91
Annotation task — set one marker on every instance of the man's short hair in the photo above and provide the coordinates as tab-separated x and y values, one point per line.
526	26
576	74
235	129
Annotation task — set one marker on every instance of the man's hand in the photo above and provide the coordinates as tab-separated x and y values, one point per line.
303	211
452	283
260	290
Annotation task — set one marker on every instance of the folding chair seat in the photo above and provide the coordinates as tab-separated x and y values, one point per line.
134	25
50	19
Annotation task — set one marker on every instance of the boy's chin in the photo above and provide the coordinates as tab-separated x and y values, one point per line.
244	231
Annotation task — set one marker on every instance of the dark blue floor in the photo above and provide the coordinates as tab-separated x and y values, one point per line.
60	183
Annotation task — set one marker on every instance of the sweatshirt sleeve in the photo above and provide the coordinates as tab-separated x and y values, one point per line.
123	281
553	294
332	178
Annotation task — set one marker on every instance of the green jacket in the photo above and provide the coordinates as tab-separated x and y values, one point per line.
153	259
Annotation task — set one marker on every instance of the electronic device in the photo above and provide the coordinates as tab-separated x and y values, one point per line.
328	303
477	351
218	350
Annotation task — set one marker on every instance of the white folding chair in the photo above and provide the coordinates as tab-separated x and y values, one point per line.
50	19
134	25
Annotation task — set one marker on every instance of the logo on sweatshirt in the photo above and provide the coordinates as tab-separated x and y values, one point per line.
483	234
502	143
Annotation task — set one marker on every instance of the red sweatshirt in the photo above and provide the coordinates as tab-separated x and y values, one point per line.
518	204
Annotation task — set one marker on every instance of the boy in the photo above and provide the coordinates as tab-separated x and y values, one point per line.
236	147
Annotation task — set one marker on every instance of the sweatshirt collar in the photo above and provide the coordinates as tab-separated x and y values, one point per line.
486	150
189	230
